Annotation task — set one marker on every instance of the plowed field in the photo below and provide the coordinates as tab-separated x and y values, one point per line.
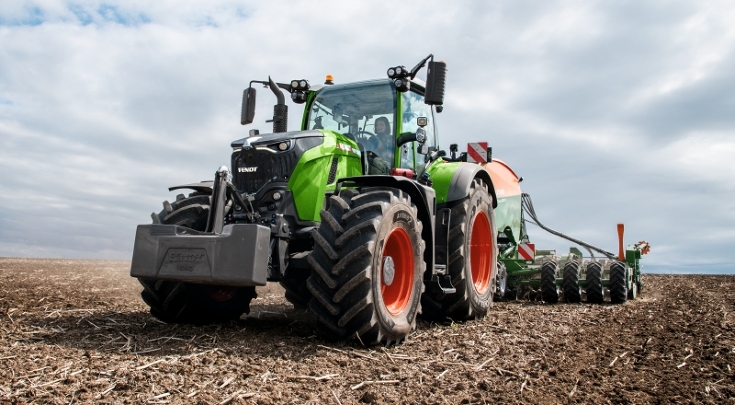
74	331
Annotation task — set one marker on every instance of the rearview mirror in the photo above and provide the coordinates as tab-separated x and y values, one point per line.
436	77
248	106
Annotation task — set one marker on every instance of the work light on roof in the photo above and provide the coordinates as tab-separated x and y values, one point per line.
301	85
298	97
298	89
400	75
397	72
402	85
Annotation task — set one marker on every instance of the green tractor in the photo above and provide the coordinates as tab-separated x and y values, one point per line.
359	216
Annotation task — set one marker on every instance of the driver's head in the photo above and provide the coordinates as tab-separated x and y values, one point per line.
382	126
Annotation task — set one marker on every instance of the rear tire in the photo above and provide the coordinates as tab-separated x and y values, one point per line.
472	259
618	283
367	266
180	302
549	289
593	283
572	292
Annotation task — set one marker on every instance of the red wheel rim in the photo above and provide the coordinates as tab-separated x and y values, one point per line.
481	251
397	295
220	293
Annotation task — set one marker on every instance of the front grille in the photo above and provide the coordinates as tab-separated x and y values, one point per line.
253	168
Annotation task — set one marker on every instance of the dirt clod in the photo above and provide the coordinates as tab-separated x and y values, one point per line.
369	397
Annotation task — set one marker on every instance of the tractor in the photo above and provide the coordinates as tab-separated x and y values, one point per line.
359	215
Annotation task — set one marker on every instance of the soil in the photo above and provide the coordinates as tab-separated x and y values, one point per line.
74	331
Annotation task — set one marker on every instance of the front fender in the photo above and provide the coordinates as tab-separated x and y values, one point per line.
203	187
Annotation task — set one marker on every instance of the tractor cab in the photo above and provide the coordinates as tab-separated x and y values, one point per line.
391	120
377	116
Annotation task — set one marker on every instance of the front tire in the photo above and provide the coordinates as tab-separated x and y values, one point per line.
367	266
180	302
472	259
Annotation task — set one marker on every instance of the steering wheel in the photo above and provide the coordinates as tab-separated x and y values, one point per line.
361	133
367	139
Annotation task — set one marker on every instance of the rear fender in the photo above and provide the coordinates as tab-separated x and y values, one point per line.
453	180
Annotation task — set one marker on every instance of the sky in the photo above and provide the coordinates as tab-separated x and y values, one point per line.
612	112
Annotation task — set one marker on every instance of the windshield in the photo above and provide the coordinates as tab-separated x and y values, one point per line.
363	111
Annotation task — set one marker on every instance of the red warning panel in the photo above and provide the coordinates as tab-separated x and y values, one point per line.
526	251
477	152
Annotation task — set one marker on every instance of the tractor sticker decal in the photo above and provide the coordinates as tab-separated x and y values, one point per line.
348	148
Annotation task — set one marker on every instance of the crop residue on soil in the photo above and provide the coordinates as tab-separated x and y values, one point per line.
77	331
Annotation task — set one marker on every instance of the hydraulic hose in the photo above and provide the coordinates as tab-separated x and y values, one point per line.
527	205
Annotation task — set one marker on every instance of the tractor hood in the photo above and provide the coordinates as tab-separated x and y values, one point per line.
268	139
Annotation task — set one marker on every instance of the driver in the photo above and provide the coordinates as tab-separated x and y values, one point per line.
379	149
382	127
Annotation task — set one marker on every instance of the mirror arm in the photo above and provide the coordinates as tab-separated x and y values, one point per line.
421	64
405	138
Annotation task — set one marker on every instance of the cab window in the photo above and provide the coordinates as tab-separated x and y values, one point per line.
362	111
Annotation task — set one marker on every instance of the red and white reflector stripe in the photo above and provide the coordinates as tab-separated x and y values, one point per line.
526	251
477	152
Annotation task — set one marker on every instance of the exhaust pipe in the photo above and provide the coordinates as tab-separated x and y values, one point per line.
280	110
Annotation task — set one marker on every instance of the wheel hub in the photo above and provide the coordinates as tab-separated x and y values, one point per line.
389	270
